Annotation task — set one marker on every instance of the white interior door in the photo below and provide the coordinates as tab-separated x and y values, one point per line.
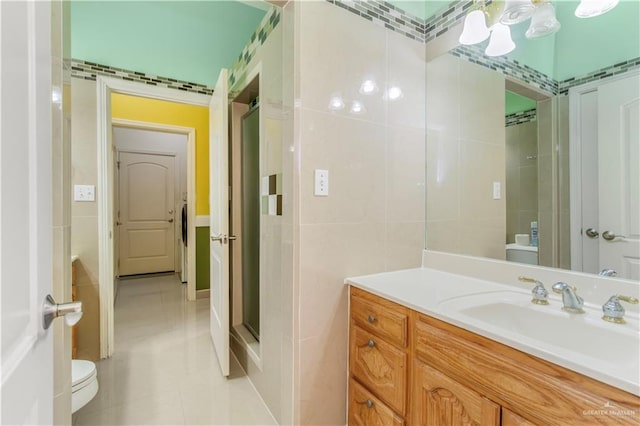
590	261
26	391
619	177
146	213
219	220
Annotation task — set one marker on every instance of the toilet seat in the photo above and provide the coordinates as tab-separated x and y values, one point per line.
84	383
82	374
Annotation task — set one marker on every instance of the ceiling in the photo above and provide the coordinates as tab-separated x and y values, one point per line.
185	40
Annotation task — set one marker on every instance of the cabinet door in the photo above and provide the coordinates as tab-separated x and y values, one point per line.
366	410
438	400
509	418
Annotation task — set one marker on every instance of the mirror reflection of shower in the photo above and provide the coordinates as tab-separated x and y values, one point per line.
521	178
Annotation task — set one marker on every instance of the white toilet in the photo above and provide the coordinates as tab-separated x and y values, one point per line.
522	254
84	383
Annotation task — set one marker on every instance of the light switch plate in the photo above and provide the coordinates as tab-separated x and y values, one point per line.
321	183
496	191
84	192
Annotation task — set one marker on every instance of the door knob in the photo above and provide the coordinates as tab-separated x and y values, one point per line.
610	236
170	220
170	211
72	312
591	233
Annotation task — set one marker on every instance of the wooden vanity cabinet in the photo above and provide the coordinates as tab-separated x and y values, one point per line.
378	359
456	377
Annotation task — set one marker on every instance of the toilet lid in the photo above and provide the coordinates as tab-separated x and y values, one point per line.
81	371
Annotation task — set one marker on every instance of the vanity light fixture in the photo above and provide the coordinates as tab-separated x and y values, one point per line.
516	11
543	22
592	8
475	28
500	42
499	14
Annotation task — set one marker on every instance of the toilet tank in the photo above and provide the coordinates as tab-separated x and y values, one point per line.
522	254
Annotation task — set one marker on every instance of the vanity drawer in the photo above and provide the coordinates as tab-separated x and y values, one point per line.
365	409
384	318
380	366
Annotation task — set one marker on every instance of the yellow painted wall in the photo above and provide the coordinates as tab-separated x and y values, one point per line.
156	111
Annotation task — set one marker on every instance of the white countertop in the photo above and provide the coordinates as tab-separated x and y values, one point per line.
424	290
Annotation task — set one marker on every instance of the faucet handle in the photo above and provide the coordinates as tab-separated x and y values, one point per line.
559	287
540	294
613	310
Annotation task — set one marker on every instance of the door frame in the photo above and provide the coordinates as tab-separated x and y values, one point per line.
575	164
190	133
105	194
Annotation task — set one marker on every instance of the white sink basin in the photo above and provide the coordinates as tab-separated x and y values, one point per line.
585	335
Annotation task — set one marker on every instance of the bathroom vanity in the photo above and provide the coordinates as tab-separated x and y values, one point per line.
428	347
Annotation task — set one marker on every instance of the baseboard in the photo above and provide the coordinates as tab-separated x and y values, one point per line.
202	294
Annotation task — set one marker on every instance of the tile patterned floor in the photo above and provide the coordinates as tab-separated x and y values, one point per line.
164	370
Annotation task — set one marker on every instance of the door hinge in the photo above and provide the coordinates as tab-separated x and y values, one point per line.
118	164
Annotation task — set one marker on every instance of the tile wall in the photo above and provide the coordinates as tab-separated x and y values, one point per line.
84	216
273	378
465	155
61	202
373	218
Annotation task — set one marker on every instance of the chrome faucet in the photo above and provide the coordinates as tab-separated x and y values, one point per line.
613	310
608	273
539	293
572	302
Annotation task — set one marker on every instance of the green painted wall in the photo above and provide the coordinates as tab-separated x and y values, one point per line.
202	258
517	103
185	40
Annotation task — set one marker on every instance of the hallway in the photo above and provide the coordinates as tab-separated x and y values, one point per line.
164	370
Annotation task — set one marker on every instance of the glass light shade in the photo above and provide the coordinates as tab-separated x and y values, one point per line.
500	42
475	28
591	8
543	22
516	11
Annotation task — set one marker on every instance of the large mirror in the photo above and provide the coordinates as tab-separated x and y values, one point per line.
533	156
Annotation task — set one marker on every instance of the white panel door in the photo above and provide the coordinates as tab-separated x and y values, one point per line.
219	220
26	391
146	213
619	177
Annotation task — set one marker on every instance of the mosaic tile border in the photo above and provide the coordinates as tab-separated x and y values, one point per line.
521	117
90	70
619	68
439	24
395	19
271	195
385	15
507	66
257	39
